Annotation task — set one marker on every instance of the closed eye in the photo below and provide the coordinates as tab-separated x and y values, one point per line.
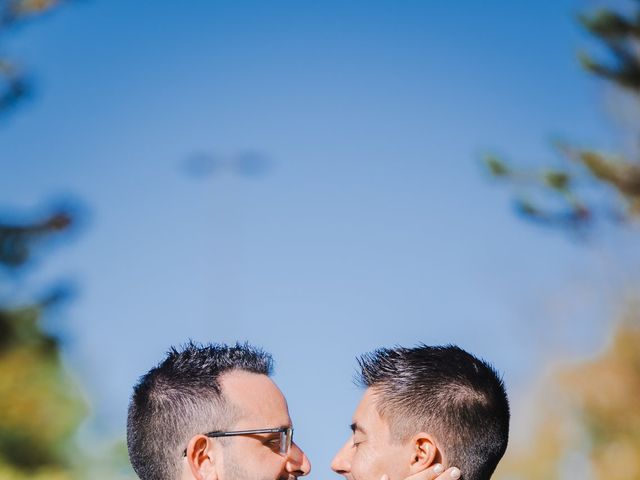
356	442
273	443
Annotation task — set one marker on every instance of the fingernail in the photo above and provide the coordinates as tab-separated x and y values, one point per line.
455	473
438	468
384	477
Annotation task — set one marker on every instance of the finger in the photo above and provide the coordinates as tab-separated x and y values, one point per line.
430	473
435	472
452	473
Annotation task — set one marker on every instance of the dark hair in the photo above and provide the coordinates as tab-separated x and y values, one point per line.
180	398
446	392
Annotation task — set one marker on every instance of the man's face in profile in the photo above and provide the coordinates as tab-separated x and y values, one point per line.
260	405
370	453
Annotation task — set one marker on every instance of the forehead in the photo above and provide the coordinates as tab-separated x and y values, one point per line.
260	402
367	417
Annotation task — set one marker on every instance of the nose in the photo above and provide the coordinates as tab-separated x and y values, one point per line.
297	462
341	463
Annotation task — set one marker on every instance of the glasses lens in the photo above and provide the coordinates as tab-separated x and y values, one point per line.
286	438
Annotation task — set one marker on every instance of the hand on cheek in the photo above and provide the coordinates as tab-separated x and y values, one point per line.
435	472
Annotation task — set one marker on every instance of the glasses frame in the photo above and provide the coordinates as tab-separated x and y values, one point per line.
286	436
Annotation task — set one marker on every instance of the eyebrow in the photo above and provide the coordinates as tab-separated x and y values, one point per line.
357	428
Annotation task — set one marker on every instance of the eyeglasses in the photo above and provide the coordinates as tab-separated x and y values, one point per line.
285	439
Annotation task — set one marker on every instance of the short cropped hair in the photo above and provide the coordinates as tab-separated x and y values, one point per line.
181	397
446	392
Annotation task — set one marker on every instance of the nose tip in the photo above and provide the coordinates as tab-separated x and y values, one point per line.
340	463
298	463
305	468
336	465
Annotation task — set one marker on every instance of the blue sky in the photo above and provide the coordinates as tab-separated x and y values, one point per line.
374	224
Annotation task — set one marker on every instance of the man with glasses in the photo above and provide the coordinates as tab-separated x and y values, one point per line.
211	412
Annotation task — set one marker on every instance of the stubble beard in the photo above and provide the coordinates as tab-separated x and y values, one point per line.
234	470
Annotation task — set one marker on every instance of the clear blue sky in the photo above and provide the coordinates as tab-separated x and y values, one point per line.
375	224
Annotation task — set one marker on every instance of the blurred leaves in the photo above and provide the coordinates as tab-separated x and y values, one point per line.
590	409
19	239
572	206
14	11
589	414
605	393
14	82
546	196
13	86
570	190
496	166
609	25
619	35
41	405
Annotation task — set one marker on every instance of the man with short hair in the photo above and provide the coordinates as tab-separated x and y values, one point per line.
425	408
211	411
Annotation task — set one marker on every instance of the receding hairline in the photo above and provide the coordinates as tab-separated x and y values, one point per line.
233	397
181	397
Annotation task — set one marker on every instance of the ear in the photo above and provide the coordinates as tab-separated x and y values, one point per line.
201	458
425	452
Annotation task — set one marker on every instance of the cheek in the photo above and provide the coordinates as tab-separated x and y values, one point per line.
257	461
371	463
363	464
270	462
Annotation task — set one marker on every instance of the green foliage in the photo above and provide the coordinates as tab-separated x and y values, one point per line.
592	407
496	166
589	409
619	35
41	405
14	84
610	25
40	402
571	206
556	179
558	186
